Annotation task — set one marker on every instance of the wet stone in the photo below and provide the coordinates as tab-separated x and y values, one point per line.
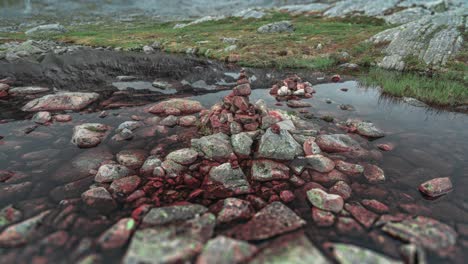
342	189
125	185
224	181
280	146
373	174
42	117
436	187
320	163
310	147
99	199
132	158
361	214
184	106
118	235
346	253
298	104
110	172
173	214
28	90
226	250
272	220
214	147
322	218
184	156
375	206
169	121
170	169
61	101
293	248
89	135
187	121
232	209
22	232
325	201
149	165
63	118
336	143
369	130
267	170
348	226
9	215
242	144
425	231
349	168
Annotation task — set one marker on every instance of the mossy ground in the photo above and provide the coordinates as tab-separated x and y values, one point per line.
283	50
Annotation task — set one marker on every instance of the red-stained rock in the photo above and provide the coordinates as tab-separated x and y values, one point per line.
375	206
224	181
257	202
373	174
132	158
99	199
287	196
232	209
386	147
140	212
61	101
336	78
125	186
349	168
322	218
268	170
348	226
63	118
187	121
241	103
310	147
436	187
251	126
185	107
337	143
361	214
118	235
328	178
319	163
342	189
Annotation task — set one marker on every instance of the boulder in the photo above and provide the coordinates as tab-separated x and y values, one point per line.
268	170
319	163
225	181
242	144
132	158
89	135
336	143
185	106
368	129
214	147
277	27
280	146
110	172
61	101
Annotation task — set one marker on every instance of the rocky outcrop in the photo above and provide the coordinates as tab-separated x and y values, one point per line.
277	27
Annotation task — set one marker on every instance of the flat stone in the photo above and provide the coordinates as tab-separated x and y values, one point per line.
293	248
242	144
375	206
89	135
232	209
110	172
325	201
319	163
225	181
226	250
361	214
185	106
173	214
280	146
125	185
424	231
184	156
61	101
342	189
42	117
117	236
346	253
336	143
178	243
28	90
436	187
23	232
169	121
272	220
99	199
214	147
268	170
132	158
373	174
298	104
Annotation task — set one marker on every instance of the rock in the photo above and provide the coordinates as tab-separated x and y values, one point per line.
267	170
61	101
436	187
349	66
186	107
407	15
132	158
319	163
336	143
225	181
277	27
349	168
373	174
187	121
348	226
348	7
99	199
242	90
283	91
170	121
293	248
4	87
414	102
272	220
298	104
250	13
424	231
368	129
184	156
150	164
63	118
232	209
214	147
110	172
242	144
322	200
226	250
310	147
9	215
82	165
125	186
322	218
28	90
89	135
130	125
305	8
280	146
148	49
173	214
342	189
170	244
46	29
346	253
23	232
171	169
126	78
432	39
375	206
361	214
42	117
117	236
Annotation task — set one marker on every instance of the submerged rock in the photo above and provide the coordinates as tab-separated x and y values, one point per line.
274	219
373	174
368	129
99	199
132	158
336	143
89	135
319	163
346	253
184	156
232	209
226	250
23	232
424	231
118	235
280	146
436	187
110	172
61	101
